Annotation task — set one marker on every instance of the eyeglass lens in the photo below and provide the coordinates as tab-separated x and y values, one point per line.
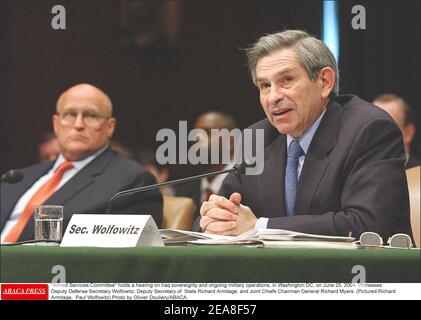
400	241
371	239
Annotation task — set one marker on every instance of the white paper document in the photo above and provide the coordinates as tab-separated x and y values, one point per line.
173	236
270	238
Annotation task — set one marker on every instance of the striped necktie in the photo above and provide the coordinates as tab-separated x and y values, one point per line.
291	175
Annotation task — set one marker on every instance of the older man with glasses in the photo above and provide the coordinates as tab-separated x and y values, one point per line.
86	174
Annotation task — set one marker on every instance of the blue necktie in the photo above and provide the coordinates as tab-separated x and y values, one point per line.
291	175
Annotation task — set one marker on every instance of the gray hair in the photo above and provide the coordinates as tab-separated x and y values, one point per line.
312	54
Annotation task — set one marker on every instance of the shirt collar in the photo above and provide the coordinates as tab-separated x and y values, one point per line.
78	165
308	135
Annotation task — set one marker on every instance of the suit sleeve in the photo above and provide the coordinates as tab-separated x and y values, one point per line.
374	192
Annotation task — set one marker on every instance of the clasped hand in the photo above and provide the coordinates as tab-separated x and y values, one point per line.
220	215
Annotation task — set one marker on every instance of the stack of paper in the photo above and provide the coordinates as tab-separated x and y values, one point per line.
270	238
177	237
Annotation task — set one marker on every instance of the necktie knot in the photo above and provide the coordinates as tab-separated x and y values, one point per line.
66	165
295	150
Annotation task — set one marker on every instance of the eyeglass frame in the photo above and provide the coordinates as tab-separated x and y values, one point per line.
407	238
100	117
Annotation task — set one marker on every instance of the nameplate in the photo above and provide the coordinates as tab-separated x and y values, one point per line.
111	231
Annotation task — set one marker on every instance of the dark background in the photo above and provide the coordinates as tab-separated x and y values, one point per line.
155	87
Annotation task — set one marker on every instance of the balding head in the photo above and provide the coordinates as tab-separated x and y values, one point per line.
215	120
83	123
86	89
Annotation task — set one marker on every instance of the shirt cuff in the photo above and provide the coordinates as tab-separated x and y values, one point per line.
262	223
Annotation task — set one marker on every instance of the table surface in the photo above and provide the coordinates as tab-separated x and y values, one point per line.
207	264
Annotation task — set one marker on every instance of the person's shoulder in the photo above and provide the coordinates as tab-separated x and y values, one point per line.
359	109
37	166
360	118
126	164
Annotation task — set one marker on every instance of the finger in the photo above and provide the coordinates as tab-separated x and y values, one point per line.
204	221
236	198
223	203
220	226
205	207
221	214
213	197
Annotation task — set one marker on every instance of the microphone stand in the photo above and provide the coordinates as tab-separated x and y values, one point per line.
238	169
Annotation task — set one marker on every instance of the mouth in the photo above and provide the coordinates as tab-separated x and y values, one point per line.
281	112
77	138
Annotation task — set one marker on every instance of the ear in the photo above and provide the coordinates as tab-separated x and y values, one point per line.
408	133
56	123
327	80
111	123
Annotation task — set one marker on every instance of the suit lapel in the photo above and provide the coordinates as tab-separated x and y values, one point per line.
271	181
316	159
82	179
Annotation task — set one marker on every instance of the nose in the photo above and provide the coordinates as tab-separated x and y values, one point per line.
79	123
275	95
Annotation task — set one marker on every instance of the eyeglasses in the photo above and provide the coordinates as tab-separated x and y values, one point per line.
90	117
372	239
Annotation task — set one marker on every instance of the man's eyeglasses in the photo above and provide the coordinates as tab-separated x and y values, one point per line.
90	117
372	239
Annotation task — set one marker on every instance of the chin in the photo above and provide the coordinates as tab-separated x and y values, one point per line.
78	153
283	129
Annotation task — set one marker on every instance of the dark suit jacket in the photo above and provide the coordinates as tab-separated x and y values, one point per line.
412	162
353	176
89	190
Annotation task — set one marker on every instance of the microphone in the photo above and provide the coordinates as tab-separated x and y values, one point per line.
237	168
12	176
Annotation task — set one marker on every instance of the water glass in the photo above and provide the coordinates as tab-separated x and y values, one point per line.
48	222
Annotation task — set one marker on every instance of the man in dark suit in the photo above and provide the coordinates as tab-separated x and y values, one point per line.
92	172
402	113
334	165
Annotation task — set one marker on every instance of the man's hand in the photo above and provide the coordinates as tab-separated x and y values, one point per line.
226	216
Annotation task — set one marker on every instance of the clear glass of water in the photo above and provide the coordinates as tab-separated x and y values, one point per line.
48	222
